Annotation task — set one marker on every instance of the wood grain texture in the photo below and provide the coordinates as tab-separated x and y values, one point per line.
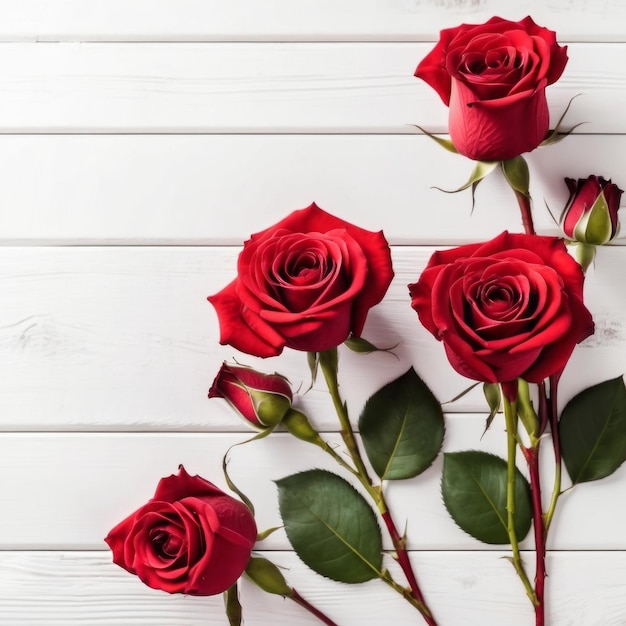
471	588
88	482
122	338
153	157
218	189
284	20
263	88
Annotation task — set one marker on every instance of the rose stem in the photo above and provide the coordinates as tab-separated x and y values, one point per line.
329	364
541	522
556	444
298	599
510	417
399	543
527	217
532	458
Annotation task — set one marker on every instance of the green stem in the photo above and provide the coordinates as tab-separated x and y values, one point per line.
328	363
407	594
510	417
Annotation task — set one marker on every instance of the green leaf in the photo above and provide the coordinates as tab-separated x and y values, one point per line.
517	174
402	428
474	492
330	526
592	429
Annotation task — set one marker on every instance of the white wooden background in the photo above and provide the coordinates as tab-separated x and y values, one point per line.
141	142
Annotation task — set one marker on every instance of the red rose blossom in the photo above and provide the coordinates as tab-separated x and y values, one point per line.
511	307
307	283
189	538
493	77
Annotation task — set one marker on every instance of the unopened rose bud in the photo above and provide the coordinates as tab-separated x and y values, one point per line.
590	215
261	399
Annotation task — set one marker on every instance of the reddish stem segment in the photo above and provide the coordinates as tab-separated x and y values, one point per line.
527	217
532	458
399	544
298	599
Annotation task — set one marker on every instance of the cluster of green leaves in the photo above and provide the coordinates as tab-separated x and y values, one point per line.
331	526
592	433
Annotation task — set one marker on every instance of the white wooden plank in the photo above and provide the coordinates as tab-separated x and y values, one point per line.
207	20
219	189
473	589
87	483
263	87
123	338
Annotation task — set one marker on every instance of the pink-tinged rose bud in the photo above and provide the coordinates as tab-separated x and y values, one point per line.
261	399
590	215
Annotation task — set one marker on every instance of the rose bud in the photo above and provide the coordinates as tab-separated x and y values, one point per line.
190	538
261	399
590	215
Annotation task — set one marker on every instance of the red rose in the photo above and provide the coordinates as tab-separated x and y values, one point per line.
493	77
511	307
307	283
189	538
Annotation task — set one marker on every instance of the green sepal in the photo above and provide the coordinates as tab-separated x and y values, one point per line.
480	171
270	408
526	410
234	612
592	429
474	486
229	482
461	394
363	346
313	361
264	534
444	143
402	428
493	395
517	174
330	526
556	135
595	226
